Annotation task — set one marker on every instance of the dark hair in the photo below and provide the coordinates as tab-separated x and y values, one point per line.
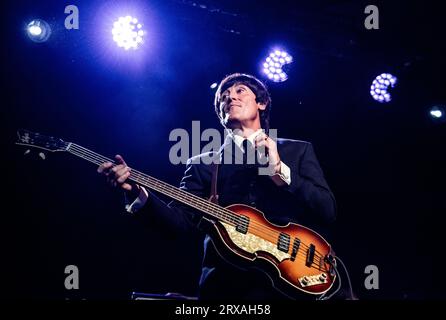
257	86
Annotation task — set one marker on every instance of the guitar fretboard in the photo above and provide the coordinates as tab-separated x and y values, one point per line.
147	181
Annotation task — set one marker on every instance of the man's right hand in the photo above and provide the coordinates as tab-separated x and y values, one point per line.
118	174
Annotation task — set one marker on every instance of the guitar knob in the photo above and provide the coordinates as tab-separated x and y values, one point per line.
305	280
323	277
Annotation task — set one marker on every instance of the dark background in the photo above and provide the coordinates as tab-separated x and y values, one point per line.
384	162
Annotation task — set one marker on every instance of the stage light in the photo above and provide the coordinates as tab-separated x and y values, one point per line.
274	65
35	30
380	86
214	85
437	113
38	30
128	33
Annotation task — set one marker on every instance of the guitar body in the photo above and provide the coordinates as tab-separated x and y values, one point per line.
293	256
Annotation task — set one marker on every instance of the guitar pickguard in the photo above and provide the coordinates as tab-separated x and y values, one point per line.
252	243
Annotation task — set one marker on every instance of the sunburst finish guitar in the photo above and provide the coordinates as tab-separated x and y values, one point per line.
296	258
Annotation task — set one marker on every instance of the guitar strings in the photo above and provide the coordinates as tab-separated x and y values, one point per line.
205	203
321	266
184	195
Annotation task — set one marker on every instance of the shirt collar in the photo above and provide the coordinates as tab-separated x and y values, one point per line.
238	140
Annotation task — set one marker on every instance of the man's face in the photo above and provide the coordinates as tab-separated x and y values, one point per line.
238	105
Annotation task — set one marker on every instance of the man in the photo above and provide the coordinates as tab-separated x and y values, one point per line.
294	190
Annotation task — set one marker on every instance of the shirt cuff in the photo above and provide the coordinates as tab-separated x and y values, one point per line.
139	202
284	176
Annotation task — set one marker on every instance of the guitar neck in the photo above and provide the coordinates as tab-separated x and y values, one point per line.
147	181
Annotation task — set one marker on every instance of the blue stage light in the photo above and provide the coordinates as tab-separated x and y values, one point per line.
128	33
38	30
274	64
438	113
380	86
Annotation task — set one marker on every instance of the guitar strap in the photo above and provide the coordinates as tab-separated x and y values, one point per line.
213	197
205	223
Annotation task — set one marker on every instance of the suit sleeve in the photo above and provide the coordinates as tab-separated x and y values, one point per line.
309	185
175	216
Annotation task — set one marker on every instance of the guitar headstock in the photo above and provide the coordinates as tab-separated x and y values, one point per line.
37	140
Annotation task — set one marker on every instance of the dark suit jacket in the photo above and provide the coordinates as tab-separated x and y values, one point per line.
308	201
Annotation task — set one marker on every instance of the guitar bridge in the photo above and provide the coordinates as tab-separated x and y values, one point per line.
308	281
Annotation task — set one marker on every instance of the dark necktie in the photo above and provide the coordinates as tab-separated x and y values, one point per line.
249	154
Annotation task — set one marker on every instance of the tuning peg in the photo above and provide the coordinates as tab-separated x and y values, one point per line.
42	155
27	152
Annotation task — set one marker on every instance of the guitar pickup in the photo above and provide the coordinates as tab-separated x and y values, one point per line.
283	243
242	224
295	249
310	255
